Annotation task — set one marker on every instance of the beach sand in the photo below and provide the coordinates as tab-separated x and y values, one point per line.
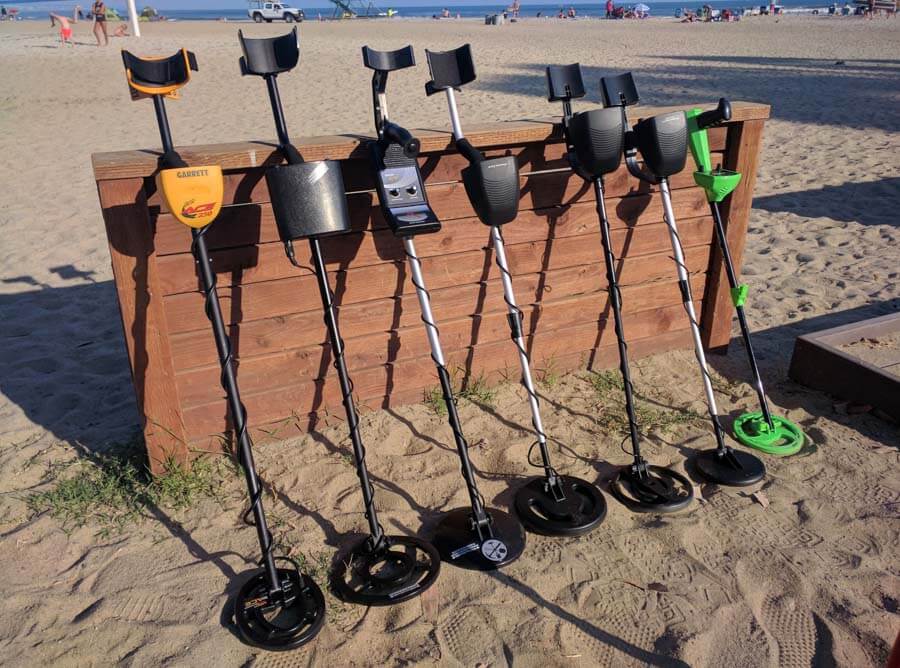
804	573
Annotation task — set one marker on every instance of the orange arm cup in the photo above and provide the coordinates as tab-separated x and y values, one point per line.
193	194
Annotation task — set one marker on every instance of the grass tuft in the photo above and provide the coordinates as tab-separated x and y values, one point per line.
610	387
114	492
477	390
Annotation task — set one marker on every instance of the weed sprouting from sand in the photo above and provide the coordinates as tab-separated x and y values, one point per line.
113	492
651	414
548	375
476	389
434	399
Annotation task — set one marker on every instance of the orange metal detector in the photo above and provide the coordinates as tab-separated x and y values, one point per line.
277	608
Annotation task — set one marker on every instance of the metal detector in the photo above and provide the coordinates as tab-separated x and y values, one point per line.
474	537
277	608
309	203
662	141
594	141
769	433
551	504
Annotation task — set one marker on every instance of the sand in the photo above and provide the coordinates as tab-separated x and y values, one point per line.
806	573
882	352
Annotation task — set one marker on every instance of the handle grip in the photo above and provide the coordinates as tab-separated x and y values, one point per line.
715	116
402	136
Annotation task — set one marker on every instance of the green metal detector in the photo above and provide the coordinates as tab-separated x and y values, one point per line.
768	433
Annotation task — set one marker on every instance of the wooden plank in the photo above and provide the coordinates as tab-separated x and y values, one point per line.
143	319
744	145
297	294
639	229
307	396
605	357
246	155
284	367
298	330
819	362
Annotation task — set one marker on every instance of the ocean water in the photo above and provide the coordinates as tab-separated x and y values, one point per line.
593	10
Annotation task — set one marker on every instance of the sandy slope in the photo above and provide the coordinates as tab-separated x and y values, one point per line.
812	577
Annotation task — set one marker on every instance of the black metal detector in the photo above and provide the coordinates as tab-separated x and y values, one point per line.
594	141
551	504
473	537
308	202
772	434
277	608
663	143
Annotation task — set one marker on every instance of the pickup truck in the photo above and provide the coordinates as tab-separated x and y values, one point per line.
261	11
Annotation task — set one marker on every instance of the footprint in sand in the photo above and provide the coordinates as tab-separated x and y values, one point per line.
468	637
608	642
782	611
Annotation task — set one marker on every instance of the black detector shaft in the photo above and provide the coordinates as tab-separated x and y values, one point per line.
308	202
594	147
277	608
662	142
551	504
474	537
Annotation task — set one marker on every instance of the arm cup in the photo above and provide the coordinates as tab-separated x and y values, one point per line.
564	82
269	55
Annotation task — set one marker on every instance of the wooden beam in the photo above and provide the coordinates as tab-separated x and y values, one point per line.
136	275
741	155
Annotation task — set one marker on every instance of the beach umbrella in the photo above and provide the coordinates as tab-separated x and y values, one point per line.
641	8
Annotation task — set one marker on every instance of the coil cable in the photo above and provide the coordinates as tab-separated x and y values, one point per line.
227	362
339	365
519	315
457	433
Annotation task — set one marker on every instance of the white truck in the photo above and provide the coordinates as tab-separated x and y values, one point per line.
260	11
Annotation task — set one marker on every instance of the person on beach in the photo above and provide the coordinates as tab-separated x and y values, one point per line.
77	13
98	11
609	9
65	30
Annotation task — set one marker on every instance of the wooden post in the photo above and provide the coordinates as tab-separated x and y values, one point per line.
130	234
741	155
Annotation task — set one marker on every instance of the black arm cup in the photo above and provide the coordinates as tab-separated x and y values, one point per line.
619	90
493	189
450	69
308	199
597	137
564	82
388	61
269	55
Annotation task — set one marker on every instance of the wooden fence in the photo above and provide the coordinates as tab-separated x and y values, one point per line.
274	312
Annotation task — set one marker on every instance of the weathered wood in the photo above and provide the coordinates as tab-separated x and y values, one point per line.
143	319
360	321
285	365
819	362
307	396
247	155
745	142
291	295
367	251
